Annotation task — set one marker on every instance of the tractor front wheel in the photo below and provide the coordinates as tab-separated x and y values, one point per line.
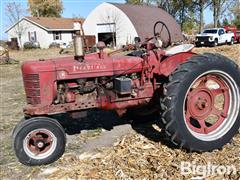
38	141
201	104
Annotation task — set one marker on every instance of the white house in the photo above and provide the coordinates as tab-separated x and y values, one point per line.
121	23
43	30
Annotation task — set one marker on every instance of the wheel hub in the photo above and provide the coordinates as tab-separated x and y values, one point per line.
200	103
39	142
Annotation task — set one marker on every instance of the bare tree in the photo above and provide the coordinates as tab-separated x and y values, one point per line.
171	6
219	9
236	13
200	6
15	12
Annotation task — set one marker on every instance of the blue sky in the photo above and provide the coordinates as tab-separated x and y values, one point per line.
71	8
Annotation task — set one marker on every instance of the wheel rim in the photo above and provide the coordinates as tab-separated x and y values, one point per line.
211	105
39	143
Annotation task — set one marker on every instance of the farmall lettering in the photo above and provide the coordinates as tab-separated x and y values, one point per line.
89	67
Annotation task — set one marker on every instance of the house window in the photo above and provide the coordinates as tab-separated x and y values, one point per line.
32	36
57	35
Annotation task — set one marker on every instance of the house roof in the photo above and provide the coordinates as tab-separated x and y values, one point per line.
51	23
144	17
54	23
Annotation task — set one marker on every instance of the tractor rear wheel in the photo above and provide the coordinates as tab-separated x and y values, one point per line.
38	141
201	104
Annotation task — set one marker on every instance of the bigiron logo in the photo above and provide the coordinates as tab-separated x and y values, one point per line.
198	171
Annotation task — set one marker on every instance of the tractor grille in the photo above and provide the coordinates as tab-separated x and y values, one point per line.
32	88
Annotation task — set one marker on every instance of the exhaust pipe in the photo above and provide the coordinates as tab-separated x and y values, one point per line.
78	42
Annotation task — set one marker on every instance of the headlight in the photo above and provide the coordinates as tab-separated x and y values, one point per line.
196	39
211	37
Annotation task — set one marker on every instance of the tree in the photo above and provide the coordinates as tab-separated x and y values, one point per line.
15	12
185	7
200	6
236	11
45	8
138	2
215	12
171	6
219	9
190	25
225	22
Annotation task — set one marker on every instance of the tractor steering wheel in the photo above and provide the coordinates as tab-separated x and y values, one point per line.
157	34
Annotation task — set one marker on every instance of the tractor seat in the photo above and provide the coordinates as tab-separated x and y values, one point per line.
179	49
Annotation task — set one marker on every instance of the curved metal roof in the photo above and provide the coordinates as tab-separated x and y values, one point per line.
144	17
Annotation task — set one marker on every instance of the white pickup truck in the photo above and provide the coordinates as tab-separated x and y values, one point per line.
214	37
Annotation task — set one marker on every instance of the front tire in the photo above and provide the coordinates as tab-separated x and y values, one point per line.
232	41
215	44
194	118
39	141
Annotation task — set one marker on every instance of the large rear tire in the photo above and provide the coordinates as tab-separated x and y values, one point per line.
194	117
38	141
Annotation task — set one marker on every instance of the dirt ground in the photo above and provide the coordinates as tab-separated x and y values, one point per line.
107	147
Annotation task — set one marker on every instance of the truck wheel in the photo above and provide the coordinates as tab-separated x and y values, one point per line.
39	141
215	43
201	104
232	41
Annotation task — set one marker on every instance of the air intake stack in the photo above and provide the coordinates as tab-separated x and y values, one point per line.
78	42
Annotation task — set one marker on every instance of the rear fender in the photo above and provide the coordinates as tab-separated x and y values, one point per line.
170	64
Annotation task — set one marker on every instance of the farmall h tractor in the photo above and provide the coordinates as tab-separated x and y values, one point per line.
198	95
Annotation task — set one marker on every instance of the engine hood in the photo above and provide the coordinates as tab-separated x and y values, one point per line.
68	68
92	66
38	66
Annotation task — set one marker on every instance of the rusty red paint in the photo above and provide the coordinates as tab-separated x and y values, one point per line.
201	104
171	62
49	72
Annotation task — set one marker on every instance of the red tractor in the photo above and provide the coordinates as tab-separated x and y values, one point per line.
198	95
